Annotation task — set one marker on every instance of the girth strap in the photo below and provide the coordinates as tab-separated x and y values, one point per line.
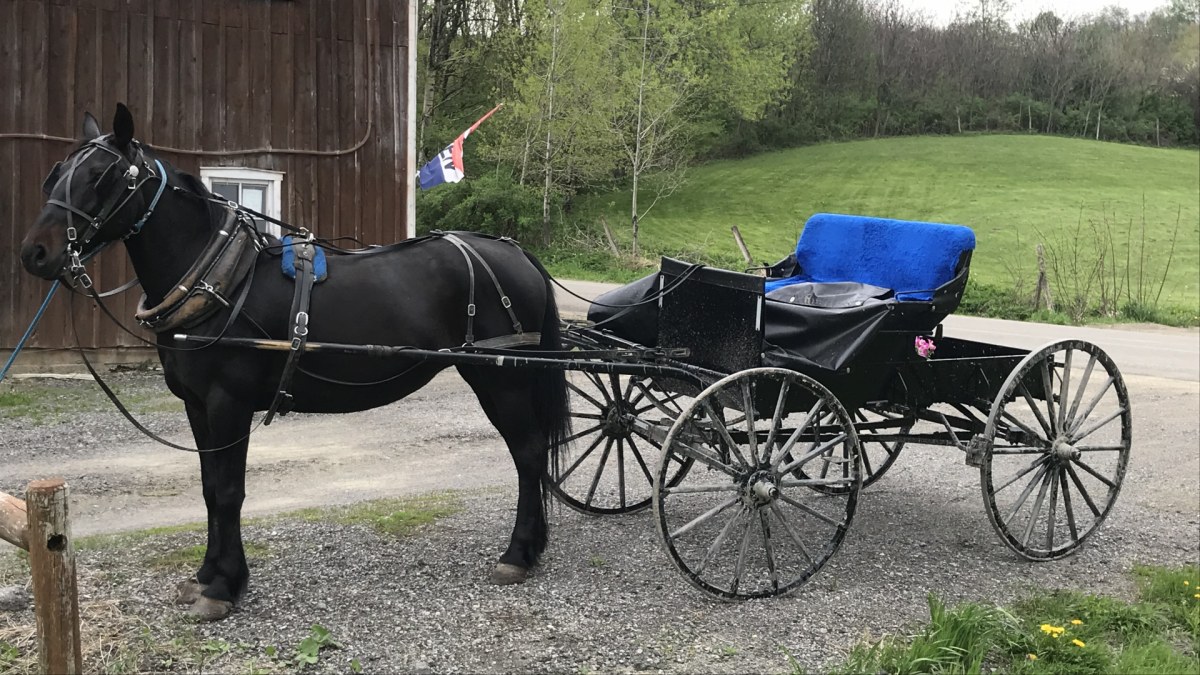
305	253
467	251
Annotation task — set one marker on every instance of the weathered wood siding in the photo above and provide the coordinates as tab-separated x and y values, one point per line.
205	75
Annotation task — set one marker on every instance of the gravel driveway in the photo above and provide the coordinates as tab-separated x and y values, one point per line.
605	599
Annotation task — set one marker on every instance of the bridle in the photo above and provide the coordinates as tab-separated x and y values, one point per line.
137	173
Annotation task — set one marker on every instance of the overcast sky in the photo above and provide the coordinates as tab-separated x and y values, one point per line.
941	11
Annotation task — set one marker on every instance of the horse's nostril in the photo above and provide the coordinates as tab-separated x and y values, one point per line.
39	254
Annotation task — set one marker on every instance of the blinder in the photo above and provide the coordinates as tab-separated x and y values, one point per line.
52	178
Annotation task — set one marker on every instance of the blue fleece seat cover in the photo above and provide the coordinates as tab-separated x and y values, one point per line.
911	258
288	261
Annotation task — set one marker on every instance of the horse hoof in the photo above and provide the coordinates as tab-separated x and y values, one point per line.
207	609
189	591
506	574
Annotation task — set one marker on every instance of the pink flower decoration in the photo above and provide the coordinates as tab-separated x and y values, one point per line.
925	347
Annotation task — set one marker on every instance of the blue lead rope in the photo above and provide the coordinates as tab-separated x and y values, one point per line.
29	331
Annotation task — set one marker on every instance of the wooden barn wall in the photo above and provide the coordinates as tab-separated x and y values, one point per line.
207	75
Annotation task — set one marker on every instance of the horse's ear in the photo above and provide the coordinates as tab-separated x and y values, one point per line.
122	126
91	128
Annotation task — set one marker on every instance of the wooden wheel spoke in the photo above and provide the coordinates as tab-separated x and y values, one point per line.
867	460
1087	498
769	548
1050	515
575	388
816	452
641	461
1066	495
1095	474
1096	426
776	421
741	560
599	470
1038	462
721	536
594	378
1048	388
795	435
1037	478
711	513
751	434
621	470
787	527
1087	410
1024	427
809	510
1080	389
724	434
655	444
580	434
1064	389
1037	507
578	461
1049	432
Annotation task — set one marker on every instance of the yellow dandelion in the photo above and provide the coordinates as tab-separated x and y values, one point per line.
1186	582
1076	622
1197	596
1078	643
1031	657
1047	628
1055	635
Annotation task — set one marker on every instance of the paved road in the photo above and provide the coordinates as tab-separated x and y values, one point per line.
1157	351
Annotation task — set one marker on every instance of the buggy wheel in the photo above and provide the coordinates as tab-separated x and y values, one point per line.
1057	445
744	524
619	423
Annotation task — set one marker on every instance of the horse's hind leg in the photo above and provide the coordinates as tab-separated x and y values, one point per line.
507	398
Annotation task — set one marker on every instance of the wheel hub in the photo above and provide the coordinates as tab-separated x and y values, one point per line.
1064	451
760	490
618	421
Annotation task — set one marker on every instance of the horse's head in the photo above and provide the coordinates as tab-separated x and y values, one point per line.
96	195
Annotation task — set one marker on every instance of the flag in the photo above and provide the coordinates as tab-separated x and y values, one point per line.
447	167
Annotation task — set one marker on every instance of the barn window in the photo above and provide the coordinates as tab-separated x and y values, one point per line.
257	189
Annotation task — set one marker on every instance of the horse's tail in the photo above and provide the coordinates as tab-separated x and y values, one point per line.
550	391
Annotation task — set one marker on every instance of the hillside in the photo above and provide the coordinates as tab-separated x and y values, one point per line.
1014	191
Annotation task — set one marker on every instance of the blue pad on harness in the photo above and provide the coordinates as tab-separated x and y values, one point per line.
320	270
911	258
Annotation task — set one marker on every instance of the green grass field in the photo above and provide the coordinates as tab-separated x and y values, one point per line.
1014	191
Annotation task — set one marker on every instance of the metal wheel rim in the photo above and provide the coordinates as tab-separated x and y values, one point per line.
781	536
1051	503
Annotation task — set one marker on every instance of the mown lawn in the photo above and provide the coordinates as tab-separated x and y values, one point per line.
1014	191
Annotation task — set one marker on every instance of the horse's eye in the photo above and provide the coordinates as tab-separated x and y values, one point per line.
52	178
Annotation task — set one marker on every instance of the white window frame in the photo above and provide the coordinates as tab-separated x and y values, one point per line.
240	174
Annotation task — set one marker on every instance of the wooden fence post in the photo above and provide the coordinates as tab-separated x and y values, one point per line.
52	563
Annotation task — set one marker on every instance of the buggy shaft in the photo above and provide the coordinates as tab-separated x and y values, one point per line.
452	358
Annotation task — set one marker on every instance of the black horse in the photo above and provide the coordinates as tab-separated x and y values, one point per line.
407	294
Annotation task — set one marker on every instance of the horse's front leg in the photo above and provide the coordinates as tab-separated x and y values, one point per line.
189	590
224	575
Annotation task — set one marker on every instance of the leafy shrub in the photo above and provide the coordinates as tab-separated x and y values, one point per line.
491	203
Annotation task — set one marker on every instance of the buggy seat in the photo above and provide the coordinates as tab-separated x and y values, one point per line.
909	258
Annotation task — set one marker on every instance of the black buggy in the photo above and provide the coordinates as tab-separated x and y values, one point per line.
751	412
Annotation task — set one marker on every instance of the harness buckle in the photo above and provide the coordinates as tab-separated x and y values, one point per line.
84	280
206	287
506	302
72	233
295	344
301	329
471	309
